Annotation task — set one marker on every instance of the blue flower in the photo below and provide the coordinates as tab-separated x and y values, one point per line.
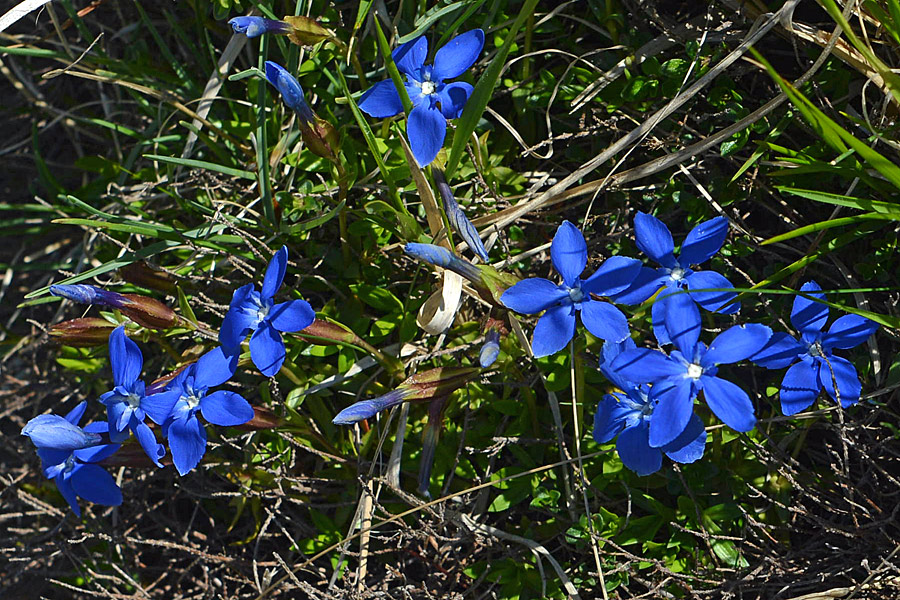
256	312
290	91
256	26
813	364
655	240
556	327
679	377
140	309
127	406
629	413
425	84
490	350
67	454
188	394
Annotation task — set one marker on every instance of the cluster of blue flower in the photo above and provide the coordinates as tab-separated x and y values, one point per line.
653	412
69	453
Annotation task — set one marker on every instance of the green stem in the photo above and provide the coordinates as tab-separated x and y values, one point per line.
262	159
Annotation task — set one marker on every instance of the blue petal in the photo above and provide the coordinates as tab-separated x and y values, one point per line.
226	409
736	343
688	447
842	370
274	274
159	406
611	351
635	451
654	239
673	412
426	128
290	316
800	387
533	295
682	322
267	350
148	442
644	365
454	97
256	26
74	415
96	453
713	301
658	315
64	484
95	485
53	461
56	433
554	330
238	322
643	287
780	351
382	100
568	253
214	368
615	275
609	419
703	242
125	357
848	331
604	320
809	316
290	90
457	55
410	57
729	402
187	441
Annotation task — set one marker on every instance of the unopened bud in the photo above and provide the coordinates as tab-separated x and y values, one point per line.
140	309
256	26
290	90
458	219
142	274
321	138
490	350
441	257
85	332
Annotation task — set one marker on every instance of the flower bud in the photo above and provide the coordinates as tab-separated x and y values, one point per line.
142	274
441	257
458	220
490	350
140	309
307	32
256	26
85	332
321	138
52	432
365	409
290	90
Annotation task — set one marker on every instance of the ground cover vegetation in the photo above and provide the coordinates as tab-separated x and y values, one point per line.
484	299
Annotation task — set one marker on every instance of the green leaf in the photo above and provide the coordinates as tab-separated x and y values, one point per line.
202	164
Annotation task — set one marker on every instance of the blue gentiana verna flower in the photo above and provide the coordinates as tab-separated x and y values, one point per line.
441	257
679	377
256	312
188	394
140	309
628	414
434	101
366	409
813	366
556	327
67	454
654	239
490	350
127	406
458	219
290	90
256	26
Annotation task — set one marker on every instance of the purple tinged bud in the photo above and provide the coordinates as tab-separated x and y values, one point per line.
84	332
140	309
366	409
256	26
290	91
85	294
52	432
490	350
458	220
441	257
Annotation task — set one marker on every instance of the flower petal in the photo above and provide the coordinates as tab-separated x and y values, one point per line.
736	343
800	387
611	351
426	128
714	301
290	90
644	365
74	415
533	295
54	432
238	322
290	316
780	351
609	419
456	56
682	322
809	316
635	451
125	357
148	442
703	242
159	406
410	57
95	485
226	409
454	97
673	413
214	368
647	283
274	274
64	485
848	385
654	239
382	100
615	275
604	320
568	253
554	330
689	446
96	453
658	315
729	402
267	350
187	441
849	331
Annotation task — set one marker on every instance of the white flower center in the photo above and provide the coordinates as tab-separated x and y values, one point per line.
677	274
192	401
815	349
428	87
694	371
575	294
133	400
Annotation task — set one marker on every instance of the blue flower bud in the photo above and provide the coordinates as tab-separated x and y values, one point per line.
290	91
365	409
53	432
85	294
458	220
441	257
256	26
490	350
